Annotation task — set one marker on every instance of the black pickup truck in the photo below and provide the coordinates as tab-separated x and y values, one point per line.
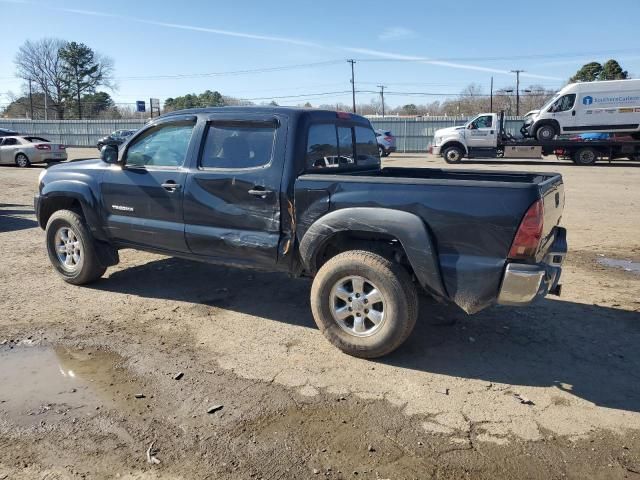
303	191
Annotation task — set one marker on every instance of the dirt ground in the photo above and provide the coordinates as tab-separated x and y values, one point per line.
168	369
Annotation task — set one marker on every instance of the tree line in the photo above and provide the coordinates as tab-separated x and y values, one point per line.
61	80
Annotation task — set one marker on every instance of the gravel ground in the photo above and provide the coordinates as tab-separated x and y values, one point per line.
90	383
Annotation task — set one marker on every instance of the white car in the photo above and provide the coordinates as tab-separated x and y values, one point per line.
25	150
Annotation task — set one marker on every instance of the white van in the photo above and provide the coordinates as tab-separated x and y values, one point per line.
607	106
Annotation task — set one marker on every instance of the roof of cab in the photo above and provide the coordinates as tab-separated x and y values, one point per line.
289	111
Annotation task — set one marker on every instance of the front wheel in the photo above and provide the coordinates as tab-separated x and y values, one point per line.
71	248
453	155
364	304
545	133
22	160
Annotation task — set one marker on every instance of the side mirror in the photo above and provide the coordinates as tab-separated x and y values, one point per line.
109	154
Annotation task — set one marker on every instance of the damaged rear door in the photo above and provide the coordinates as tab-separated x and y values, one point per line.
232	199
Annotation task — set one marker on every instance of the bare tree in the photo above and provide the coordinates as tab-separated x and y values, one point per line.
40	63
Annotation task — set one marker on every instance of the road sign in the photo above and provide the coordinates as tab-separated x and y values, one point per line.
141	106
154	106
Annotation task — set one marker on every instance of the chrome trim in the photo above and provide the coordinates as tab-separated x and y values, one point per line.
520	284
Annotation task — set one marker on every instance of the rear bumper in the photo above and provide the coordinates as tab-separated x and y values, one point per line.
523	283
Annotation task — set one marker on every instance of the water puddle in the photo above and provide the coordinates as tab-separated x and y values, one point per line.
626	265
42	384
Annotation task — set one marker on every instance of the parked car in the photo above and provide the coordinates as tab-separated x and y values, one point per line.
386	142
115	139
302	191
4	132
23	151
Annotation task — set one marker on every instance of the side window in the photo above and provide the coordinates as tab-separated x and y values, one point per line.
161	146
10	141
238	146
564	103
322	146
482	122
366	146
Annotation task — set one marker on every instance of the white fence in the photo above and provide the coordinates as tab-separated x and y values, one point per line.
75	133
412	134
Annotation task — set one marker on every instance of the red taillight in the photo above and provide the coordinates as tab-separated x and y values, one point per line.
527	240
388	139
343	115
61	147
43	146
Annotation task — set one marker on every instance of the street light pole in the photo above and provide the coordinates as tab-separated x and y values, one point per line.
353	85
517	72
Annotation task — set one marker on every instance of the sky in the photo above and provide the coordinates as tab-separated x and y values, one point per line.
293	51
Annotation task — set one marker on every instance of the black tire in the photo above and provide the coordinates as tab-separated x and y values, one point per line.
22	161
546	133
88	268
585	156
382	151
399	303
100	145
453	154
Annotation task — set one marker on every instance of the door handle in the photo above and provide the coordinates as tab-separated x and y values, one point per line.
170	186
259	191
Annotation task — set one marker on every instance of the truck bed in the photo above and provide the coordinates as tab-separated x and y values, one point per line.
472	216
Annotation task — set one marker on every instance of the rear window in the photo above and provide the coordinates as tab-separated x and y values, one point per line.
245	145
331	146
36	139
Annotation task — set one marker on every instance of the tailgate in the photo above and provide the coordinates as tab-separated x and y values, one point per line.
552	192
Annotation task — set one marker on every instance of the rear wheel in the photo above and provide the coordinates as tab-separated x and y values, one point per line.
22	160
585	156
382	151
453	154
71	248
546	133
364	304
100	145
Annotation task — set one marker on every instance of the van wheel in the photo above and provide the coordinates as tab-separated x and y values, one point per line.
545	133
22	160
453	155
585	156
71	248
364	304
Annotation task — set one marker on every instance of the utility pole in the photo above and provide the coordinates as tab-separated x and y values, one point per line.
491	97
353	85
381	87
517	72
30	99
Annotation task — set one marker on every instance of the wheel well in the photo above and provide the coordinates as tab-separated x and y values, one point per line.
542	123
453	144
383	244
54	204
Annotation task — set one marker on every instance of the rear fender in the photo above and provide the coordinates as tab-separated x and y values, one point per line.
406	227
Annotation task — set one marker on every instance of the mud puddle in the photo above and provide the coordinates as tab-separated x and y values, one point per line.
44	384
626	265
